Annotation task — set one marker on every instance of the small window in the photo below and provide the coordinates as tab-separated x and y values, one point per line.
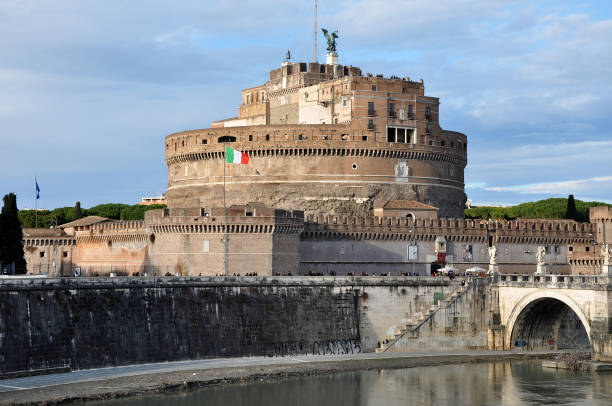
226	138
42	254
267	137
249	214
587	249
452	144
250	137
427	113
370	106
442	143
428	128
300	137
204	142
364	137
430	142
183	143
373	88
390	134
65	254
404	90
344	102
206	246
571	249
401	135
391	107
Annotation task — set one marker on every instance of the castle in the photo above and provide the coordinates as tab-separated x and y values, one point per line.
348	173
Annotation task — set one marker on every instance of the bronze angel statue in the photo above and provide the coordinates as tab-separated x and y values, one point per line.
331	40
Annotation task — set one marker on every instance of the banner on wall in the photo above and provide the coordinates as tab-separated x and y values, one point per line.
468	256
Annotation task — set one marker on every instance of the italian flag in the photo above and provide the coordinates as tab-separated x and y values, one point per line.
235	157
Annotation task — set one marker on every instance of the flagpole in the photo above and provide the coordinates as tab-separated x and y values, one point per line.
225	236
35	203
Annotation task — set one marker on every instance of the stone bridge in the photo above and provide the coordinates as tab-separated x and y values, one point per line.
552	312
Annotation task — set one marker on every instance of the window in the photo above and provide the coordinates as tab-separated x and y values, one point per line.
401	114
587	249
401	135
183	143
370	106
452	144
204	142
373	88
364	137
206	246
250	137
428	128
571	249
370	124
262	95
248	99
391	107
442	143
226	138
344	102
300	137
404	90
390	134
65	254
42	253
427	113
267	137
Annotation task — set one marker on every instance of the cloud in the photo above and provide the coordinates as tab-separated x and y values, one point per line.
580	186
90	89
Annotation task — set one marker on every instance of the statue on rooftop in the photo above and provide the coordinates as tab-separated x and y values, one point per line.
331	40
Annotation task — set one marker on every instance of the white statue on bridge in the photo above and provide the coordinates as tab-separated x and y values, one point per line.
605	254
540	254
493	255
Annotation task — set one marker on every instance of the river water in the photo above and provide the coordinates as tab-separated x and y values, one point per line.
495	383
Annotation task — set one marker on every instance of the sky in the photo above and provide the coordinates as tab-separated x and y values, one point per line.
89	89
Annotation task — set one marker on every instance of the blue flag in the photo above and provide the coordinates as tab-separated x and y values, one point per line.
37	189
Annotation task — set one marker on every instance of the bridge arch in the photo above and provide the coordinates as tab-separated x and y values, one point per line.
538	317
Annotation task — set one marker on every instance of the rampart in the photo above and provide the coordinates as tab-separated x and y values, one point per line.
88	323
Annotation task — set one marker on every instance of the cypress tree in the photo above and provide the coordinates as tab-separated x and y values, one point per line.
11	235
77	211
571	212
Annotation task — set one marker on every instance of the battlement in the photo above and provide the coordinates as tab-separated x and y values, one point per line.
600	214
306	140
504	231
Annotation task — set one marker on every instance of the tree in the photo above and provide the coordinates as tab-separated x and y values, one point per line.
11	235
77	211
571	212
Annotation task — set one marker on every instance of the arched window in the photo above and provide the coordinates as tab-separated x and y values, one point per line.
226	138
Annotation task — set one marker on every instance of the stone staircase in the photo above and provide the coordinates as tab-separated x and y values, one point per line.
411	326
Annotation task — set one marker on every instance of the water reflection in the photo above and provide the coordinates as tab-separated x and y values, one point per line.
503	383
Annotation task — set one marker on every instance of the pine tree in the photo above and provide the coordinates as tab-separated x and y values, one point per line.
77	211
571	212
11	235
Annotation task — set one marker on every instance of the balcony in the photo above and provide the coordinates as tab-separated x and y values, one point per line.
428	117
391	114
371	126
411	116
371	113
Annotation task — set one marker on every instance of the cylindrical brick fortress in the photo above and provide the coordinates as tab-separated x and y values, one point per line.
316	168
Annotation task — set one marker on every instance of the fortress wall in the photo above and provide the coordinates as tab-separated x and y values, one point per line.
97	322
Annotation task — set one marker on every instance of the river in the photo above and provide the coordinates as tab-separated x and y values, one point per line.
494	383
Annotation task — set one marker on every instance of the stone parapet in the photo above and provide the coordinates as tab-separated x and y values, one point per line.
530	231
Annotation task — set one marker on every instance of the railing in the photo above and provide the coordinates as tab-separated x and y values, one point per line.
371	113
558	280
391	114
371	127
